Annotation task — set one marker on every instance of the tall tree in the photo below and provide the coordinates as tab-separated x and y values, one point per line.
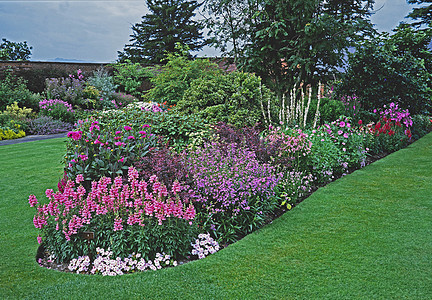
423	13
14	50
169	22
230	23
300	40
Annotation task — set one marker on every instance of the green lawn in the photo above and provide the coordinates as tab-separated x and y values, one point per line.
367	235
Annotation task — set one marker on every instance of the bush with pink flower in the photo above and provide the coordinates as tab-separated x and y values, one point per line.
134	216
57	109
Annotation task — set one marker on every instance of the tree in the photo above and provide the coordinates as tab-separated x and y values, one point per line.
14	50
230	23
391	68
424	13
170	22
300	41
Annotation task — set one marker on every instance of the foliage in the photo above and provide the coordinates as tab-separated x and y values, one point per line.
383	70
424	12
123	100
43	125
392	131
299	41
248	138
69	89
293	146
329	110
57	109
14	50
13	89
8	133
293	187
105	147
169	168
126	217
421	126
131	76
176	76
168	23
237	191
235	98
103	82
230	24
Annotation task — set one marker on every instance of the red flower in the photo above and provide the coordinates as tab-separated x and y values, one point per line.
361	122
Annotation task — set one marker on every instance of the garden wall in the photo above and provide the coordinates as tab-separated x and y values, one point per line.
36	72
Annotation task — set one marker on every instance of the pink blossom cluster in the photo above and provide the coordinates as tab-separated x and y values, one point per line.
394	113
49	103
125	203
293	144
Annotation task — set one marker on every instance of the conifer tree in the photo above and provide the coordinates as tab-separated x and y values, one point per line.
422	13
169	22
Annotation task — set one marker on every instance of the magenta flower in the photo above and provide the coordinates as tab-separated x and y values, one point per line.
118	132
340	132
118	143
79	178
143	132
146	125
75	135
39	239
346	135
118	224
127	127
32	200
131	137
121	159
84	157
342	124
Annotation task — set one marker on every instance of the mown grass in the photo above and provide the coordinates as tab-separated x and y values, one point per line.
367	235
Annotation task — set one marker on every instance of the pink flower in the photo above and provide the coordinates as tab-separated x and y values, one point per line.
118	143
342	124
83	156
143	132
75	135
346	135
146	125
79	178
127	127
121	159
131	137
39	239
340	132
32	200
118	224
118	132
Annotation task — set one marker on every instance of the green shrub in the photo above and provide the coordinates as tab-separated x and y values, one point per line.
172	80
233	98
132	77
13	89
329	110
104	84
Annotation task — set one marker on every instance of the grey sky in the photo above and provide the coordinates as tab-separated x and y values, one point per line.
94	30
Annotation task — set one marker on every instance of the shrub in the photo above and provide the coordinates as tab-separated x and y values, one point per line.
13	89
237	191
329	110
169	168
69	89
57	109
393	130
293	187
7	133
47	125
105	147
125	217
379	72
103	82
132	77
421	126
235	98
171	80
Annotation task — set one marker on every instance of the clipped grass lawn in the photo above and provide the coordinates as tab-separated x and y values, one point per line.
366	235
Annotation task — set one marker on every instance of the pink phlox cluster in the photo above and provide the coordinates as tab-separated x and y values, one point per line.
394	113
292	143
49	103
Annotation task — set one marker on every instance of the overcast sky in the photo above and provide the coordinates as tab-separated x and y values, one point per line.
94	30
